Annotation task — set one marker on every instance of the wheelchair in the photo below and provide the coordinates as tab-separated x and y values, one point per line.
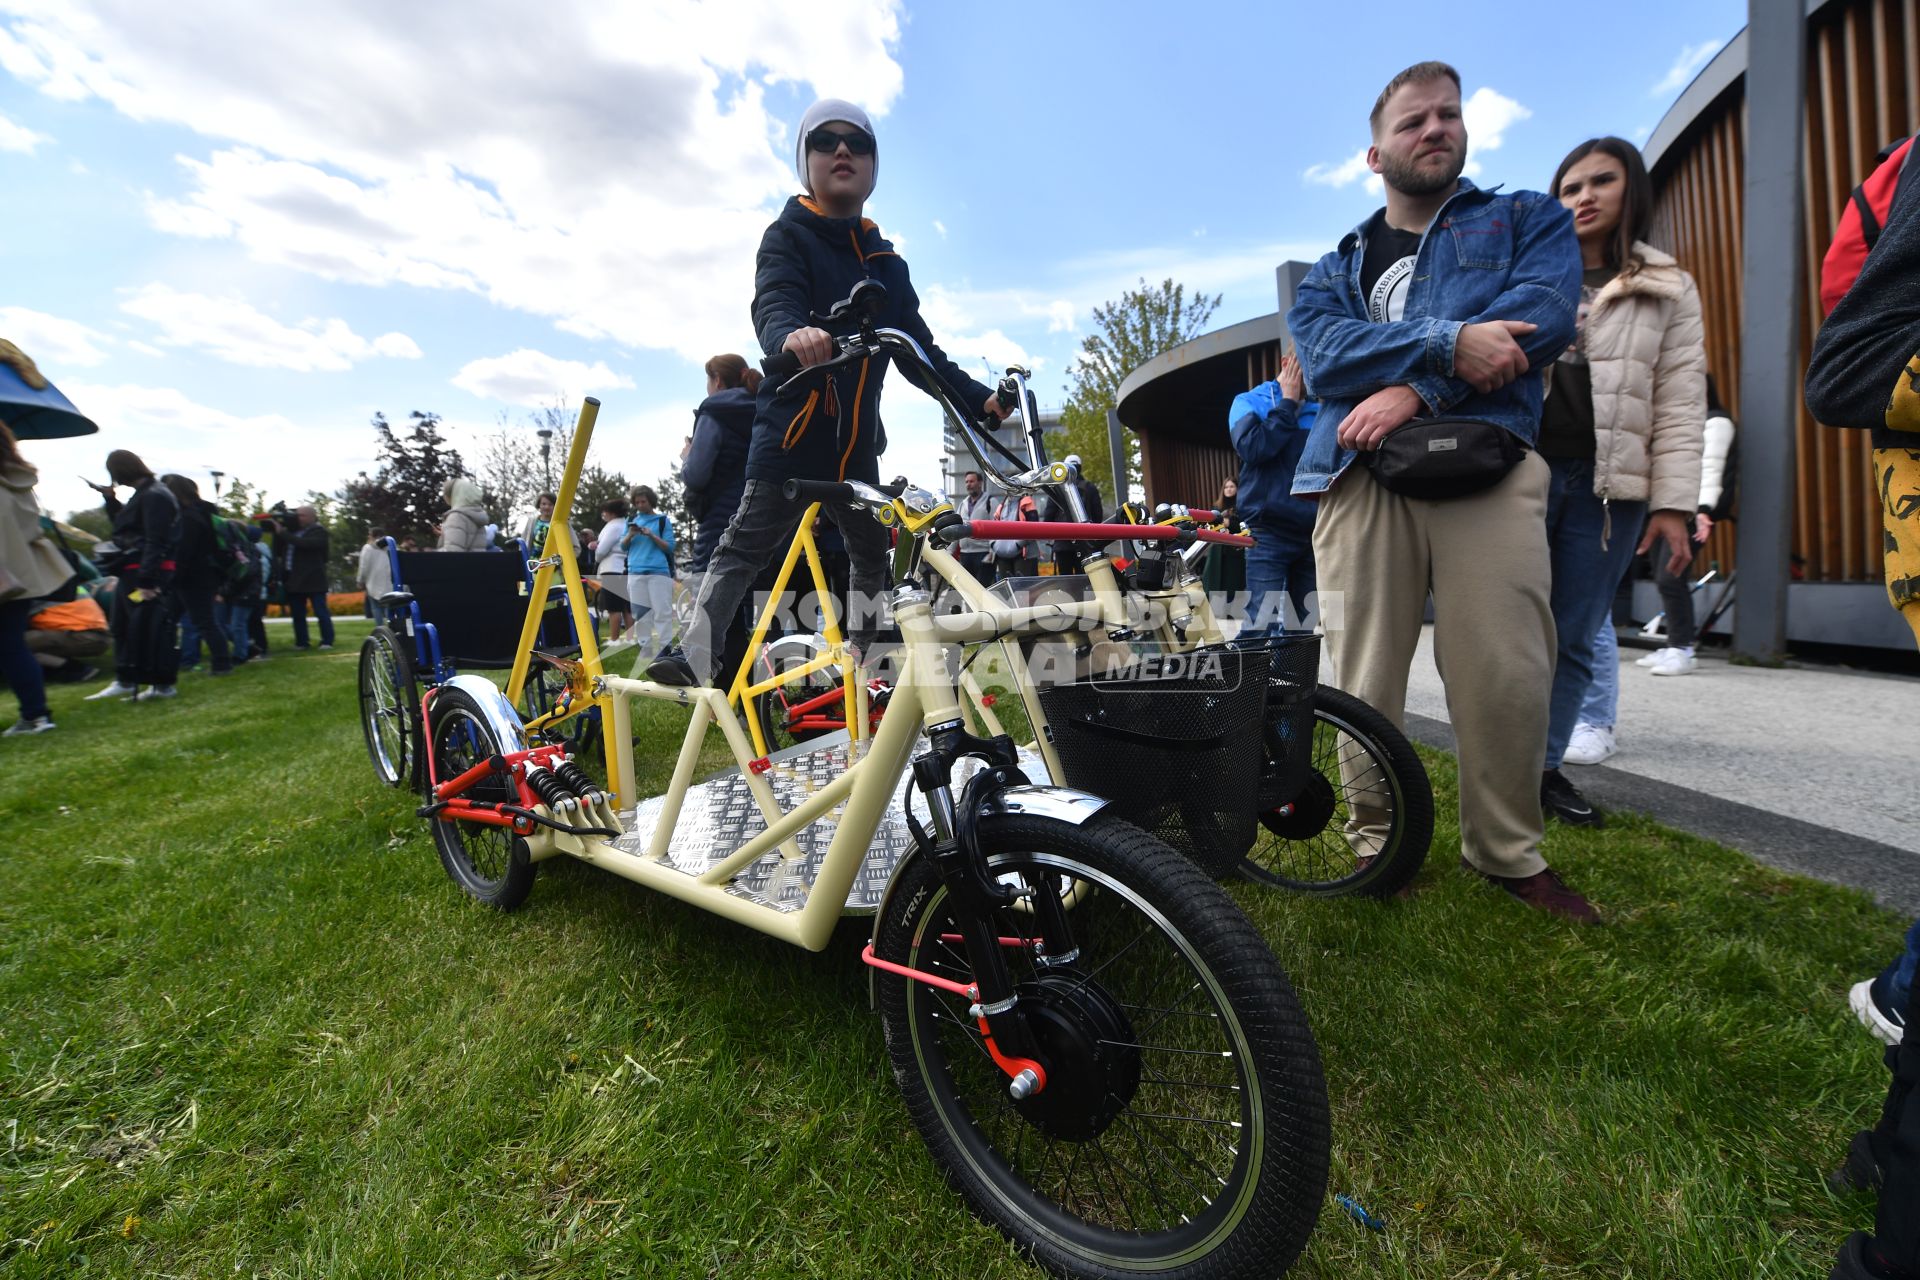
448	612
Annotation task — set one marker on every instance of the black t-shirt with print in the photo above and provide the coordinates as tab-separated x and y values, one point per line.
1387	269
1566	419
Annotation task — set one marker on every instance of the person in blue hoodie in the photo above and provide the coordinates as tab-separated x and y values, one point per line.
1269	426
809	425
715	471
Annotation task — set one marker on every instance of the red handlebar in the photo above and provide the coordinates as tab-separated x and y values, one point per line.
1066	531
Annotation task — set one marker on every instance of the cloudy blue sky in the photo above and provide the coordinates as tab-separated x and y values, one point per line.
235	230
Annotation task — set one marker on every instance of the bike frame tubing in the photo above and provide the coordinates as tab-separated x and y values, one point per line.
616	732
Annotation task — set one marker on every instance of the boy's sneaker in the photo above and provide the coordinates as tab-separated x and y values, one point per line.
1860	1259
1544	890
1561	799
39	724
1870	1004
672	668
1590	744
1860	1171
1651	658
326	646
156	693
1672	662
114	690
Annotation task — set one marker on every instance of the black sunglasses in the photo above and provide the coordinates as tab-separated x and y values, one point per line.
827	141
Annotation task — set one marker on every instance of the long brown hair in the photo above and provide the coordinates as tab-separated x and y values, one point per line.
1636	207
733	371
10	455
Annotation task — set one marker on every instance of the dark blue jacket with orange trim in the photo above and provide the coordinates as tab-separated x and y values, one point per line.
814	426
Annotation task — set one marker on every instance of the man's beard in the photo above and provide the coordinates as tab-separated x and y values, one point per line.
1403	175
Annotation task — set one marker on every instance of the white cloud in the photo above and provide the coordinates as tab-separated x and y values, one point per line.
610	166
1488	114
233	330
534	378
941	227
1686	65
173	432
1346	173
54	342
1062	317
15	136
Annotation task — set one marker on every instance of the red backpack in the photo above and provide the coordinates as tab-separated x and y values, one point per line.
1860	223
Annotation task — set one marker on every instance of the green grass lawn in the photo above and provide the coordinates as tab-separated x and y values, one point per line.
248	1027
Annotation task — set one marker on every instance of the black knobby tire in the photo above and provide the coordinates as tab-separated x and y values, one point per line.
489	862
1360	760
1186	1135
390	709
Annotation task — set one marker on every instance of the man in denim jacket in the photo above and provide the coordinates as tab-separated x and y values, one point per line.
1451	301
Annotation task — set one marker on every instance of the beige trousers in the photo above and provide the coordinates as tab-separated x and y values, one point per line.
1485	559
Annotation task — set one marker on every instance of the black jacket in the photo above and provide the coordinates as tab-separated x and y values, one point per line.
827	426
143	529
715	472
304	553
1872	338
195	549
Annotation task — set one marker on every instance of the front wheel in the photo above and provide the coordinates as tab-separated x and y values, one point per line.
1362	823
1183	1126
487	861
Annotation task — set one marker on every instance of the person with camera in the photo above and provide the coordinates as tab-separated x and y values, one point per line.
303	556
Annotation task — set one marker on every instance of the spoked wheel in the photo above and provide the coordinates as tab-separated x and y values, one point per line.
390	709
489	862
1183	1124
543	689
780	710
1365	818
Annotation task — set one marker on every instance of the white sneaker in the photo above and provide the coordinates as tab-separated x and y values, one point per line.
156	693
1590	744
1672	662
114	690
39	724
1650	658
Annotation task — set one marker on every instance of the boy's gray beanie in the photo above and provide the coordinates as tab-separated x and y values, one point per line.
820	113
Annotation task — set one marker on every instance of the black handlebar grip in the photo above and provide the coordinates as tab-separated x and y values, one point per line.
781	364
817	491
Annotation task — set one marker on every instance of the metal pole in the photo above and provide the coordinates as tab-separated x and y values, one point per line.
1116	455
1772	280
1287	277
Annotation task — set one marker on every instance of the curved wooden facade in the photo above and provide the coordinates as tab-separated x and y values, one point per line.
1863	91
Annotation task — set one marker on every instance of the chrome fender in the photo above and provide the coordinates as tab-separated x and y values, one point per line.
1064	803
500	716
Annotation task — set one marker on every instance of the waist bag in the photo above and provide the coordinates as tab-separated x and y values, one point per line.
1445	458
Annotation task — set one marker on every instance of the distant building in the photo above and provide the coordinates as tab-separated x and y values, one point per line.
959	459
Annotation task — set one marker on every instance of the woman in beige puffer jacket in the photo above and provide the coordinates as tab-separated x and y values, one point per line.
1622	428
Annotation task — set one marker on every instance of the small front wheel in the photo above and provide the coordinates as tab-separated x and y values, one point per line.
390	709
489	862
1362	823
1183	1124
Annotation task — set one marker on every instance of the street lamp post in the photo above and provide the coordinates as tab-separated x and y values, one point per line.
546	456
216	483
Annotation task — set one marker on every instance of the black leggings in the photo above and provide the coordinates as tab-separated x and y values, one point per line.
146	647
1676	594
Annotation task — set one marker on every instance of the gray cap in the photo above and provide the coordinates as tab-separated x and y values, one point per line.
820	113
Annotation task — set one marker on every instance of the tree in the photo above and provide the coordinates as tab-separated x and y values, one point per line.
597	486
512	473
403	496
241	500
94	520
1144	323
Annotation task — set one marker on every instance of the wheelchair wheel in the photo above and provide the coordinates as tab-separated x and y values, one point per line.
489	862
390	709
1366	776
1183	1127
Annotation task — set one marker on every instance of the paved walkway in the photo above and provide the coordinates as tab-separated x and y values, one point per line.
1812	769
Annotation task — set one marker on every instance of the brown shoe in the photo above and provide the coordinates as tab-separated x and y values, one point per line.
1545	890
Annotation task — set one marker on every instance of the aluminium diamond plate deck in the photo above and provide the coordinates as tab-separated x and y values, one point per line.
720	814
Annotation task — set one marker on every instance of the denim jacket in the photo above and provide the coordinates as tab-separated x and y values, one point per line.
1485	256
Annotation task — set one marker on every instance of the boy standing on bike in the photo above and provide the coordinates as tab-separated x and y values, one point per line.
815	426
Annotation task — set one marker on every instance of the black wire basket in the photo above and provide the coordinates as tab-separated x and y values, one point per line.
1175	742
